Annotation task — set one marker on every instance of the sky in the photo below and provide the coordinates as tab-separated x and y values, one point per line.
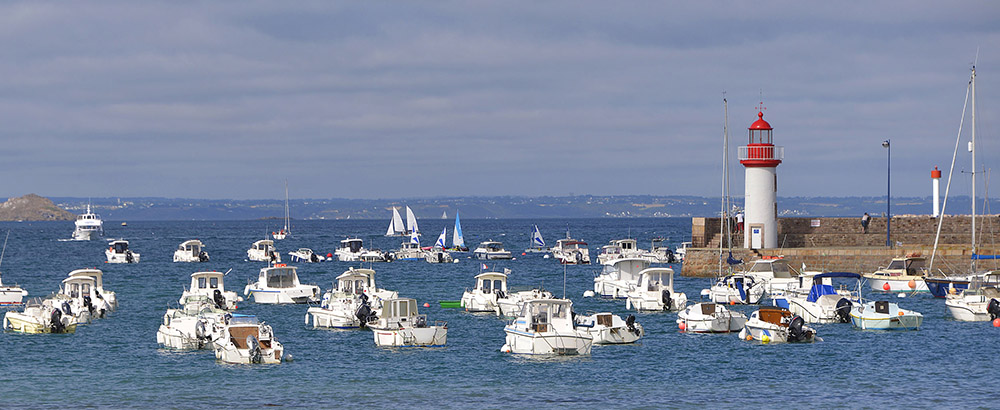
398	99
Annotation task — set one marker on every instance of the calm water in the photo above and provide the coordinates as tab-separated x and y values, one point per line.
115	362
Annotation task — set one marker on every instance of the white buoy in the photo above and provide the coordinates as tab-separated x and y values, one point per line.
901	295
588	294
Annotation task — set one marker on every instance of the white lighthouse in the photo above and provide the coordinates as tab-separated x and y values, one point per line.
936	190
761	158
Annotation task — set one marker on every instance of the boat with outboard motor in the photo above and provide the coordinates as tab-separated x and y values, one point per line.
979	302
884	315
410	250
192	326
119	252
400	325
737	288
776	325
191	251
654	291
351	302
904	274
211	285
706	317
100	294
659	253
350	250
78	298
88	226
39	316
490	288
569	251
243	339
607	328
305	255
621	248
263	251
546	327
491	250
279	284
618	277
821	302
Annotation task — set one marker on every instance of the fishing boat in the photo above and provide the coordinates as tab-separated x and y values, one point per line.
100	294
211	285
822	302
904	274
737	288
618	277
537	243
396	227
491	250
400	325
979	302
654	291
620	248
409	251
191	251
351	303
375	255
286	230
350	250
708	317
884	315
88	226
457	239
776	325
243	339
263	251
569	251
305	255
39	316
279	284
546	327
118	252
607	328
192	326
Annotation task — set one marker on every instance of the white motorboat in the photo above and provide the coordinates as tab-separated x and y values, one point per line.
409	251
118	252
78	299
774	273
376	255
655	292
490	288
279	284
350	250
491	250
620	248
263	251
88	226
608	328
457	239
211	285
537	243
776	325
351	303
736	288
305	255
39	317
512	305
884	315
569	251
979	303
821	302
100	295
659	253
11	295
438	255
193	326
191	250
681	251
904	274
243	339
546	327
708	317
618	277
399	325
286	230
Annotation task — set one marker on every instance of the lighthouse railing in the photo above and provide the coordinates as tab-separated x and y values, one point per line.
761	152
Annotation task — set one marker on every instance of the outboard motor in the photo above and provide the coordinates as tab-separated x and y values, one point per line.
128	257
843	311
579	258
98	294
313	258
795	332
665	297
630	323
254	349
670	256
362	313
274	256
200	331
55	322
88	303
421	321
203	256
994	309
67	309
220	301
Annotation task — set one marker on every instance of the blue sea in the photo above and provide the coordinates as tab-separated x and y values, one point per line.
115	362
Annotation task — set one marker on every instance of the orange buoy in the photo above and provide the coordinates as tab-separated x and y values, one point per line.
886	286
427	304
682	326
900	313
749	337
996	322
912	283
329	255
732	302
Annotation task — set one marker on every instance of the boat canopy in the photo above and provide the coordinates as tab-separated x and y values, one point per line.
395	308
207	280
280	277
490	281
92	273
850	275
626	268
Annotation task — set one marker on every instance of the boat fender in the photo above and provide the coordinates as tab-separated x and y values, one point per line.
795	332
994	309
630	322
843	310
56	324
220	301
665	297
253	348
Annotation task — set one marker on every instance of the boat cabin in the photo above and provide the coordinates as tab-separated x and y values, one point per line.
492	246
410	245
207	282
611	250
774	315
96	274
570	244
624	244
279	276
119	246
356	281
353	245
654	278
908	266
402	311
540	315
192	247
771	268
491	282
265	245
76	287
627	269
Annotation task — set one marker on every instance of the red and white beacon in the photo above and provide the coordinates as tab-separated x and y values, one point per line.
761	158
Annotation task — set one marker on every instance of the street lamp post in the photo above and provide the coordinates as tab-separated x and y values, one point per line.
888	198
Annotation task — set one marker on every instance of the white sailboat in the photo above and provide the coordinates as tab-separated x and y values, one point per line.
396	227
411	222
537	243
286	231
457	239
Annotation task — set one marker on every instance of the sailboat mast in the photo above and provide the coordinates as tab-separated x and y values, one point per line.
287	216
972	148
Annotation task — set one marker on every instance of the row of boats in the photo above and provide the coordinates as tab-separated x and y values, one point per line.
81	298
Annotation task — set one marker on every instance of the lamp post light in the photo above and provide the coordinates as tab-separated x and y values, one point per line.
888	198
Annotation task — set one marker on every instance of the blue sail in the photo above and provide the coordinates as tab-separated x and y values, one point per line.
457	240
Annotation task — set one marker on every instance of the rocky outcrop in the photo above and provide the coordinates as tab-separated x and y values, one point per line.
32	207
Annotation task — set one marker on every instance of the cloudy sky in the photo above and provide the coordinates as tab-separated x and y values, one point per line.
417	99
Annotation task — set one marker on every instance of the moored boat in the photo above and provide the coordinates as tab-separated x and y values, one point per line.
243	339
608	328
884	315
708	317
776	325
279	284
400	325
546	327
191	251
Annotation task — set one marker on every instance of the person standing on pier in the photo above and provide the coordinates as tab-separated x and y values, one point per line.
739	221
864	222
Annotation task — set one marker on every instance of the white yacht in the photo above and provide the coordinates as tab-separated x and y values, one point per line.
979	303
351	303
904	274
263	251
655	292
243	339
618	277
884	315
491	250
88	226
776	325
305	255
608	328
118	252
350	250
193	326
39	317
736	288
546	327
191	250
279	284
211	285
570	251
710	318
399	325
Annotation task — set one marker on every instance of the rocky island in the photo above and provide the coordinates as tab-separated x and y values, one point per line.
32	207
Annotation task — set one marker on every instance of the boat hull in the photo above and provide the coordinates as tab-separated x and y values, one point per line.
21	323
431	336
548	343
942	287
288	296
330	319
897	285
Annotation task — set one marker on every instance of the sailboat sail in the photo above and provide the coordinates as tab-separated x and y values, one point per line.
415	238
395	225
536	238
457	240
288	230
440	241
411	221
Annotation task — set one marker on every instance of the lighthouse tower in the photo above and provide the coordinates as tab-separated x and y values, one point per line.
761	158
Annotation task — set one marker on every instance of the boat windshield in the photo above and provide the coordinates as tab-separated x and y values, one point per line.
243	320
897	264
121	247
281	278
